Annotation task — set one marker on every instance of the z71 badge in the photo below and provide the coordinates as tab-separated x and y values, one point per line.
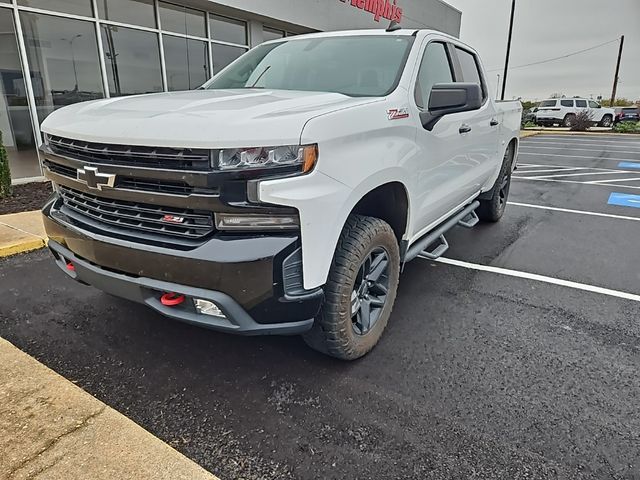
397	113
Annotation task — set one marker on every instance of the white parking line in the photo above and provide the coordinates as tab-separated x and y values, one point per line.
565	139
572	167
551	170
615	180
520	152
583	174
539	278
608	145
591	184
587	149
580	212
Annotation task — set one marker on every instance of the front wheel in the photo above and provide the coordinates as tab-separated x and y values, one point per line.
606	121
360	291
569	120
491	209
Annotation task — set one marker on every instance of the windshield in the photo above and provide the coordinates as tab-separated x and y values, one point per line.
355	66
547	103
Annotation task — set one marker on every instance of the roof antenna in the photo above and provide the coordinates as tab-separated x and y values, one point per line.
393	26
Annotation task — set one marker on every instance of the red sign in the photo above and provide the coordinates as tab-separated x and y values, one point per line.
378	8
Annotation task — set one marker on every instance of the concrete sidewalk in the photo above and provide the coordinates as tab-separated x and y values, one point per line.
51	429
21	232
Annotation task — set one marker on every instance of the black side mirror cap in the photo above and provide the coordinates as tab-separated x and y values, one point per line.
447	98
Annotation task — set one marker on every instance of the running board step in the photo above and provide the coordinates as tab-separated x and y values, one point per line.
438	251
468	218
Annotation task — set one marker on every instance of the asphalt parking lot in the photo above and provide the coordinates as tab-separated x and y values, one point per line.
503	374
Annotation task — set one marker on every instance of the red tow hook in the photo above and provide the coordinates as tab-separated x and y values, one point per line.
71	267
171	299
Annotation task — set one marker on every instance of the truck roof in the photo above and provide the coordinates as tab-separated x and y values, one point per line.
403	32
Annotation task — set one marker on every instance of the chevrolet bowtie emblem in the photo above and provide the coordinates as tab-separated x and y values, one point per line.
94	179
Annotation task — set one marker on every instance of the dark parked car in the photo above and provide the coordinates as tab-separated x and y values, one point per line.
627	114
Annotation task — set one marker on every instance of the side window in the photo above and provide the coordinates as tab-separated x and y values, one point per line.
581	103
593	104
434	68
470	69
566	103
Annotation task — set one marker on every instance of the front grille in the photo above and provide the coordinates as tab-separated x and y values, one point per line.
132	218
129	183
130	155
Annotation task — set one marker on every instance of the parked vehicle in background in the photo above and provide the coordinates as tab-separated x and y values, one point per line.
529	115
627	114
563	111
284	196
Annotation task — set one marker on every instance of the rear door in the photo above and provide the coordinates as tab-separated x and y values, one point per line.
481	141
596	111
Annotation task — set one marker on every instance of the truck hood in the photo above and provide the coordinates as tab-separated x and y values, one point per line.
199	118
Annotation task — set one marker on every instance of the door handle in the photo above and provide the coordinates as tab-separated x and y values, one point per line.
494	122
464	128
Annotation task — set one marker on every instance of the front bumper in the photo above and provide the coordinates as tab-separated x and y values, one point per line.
244	276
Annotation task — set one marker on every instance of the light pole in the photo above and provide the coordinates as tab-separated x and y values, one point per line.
506	61
73	58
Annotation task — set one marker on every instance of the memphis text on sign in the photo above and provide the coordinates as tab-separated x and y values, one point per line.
379	8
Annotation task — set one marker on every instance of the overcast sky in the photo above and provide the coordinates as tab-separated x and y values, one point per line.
545	29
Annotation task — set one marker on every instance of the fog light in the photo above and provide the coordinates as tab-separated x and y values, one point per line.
205	307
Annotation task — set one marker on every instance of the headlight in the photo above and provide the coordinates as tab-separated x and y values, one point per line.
301	158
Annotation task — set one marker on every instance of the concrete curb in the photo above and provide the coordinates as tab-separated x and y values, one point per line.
51	429
529	133
21	232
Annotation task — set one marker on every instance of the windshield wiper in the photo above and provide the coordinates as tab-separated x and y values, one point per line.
259	77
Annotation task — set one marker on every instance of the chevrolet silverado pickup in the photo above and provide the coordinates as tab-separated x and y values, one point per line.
285	194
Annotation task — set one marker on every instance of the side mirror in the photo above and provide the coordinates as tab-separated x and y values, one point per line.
447	98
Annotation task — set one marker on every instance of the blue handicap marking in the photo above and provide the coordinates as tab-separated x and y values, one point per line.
624	200
629	165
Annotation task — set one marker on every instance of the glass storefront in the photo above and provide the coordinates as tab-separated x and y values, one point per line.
124	47
63	59
132	59
15	118
187	62
136	12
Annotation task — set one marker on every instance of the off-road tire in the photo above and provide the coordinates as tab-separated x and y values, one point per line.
569	120
492	207
333	332
606	121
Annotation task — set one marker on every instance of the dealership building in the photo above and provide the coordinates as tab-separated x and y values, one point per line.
77	50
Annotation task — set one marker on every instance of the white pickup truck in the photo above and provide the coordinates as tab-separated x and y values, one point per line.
284	195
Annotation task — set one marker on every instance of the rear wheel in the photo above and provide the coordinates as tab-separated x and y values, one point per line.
569	120
360	291
606	121
491	209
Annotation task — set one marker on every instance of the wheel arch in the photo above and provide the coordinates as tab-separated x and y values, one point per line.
388	202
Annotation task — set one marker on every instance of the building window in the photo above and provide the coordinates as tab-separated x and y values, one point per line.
63	57
271	34
187	62
75	7
15	118
223	55
136	12
132	58
228	30
175	18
